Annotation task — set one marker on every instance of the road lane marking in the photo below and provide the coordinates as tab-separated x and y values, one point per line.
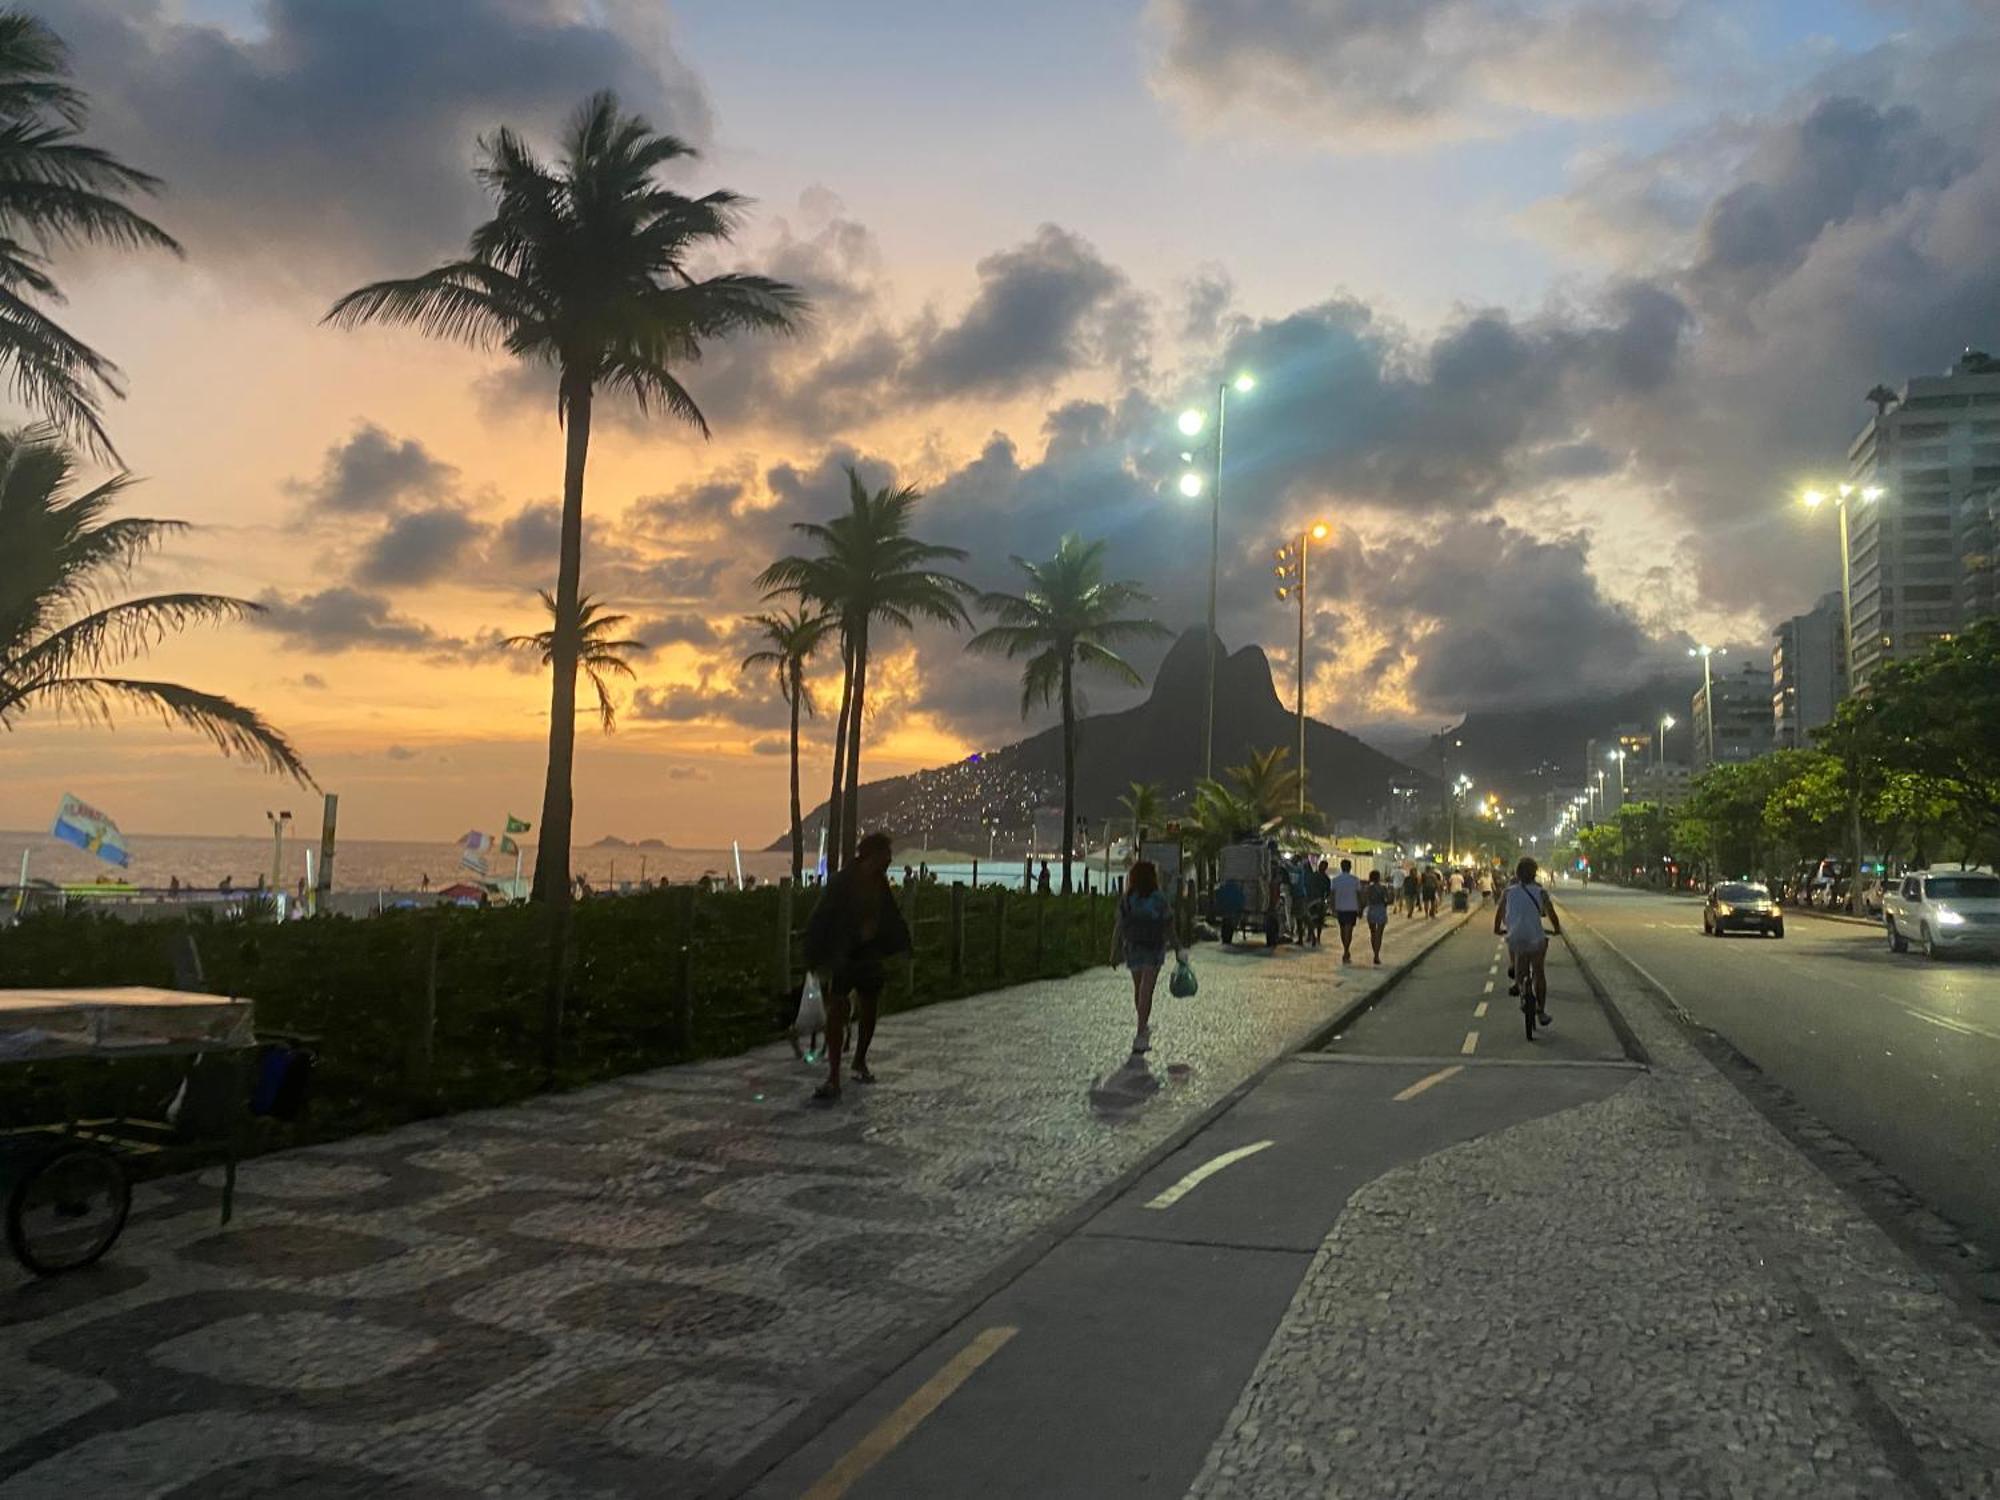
1479	1011
1471	1044
1424	1083
900	1423
1202	1173
1489	988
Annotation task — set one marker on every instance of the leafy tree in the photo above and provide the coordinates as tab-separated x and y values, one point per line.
868	569
794	635
584	268
1805	812
1270	783
55	194
1069	617
61	558
1142	805
598	654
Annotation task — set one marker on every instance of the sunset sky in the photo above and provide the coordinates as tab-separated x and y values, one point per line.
1552	306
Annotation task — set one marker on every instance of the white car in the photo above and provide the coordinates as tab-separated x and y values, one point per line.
1944	911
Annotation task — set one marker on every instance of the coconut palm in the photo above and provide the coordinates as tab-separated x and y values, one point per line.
597	653
1142	806
1070	617
584	268
61	558
1882	398
56	193
869	569
794	634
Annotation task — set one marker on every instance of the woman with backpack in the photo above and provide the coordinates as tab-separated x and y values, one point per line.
1141	936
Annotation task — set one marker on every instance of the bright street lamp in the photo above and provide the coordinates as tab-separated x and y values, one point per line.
1708	689
1191	422
1667	721
1619	756
1812	500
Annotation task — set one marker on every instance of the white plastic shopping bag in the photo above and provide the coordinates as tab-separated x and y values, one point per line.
812	1008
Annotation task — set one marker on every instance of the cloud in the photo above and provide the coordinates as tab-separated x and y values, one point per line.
313	682
344	132
400	752
719	696
771	745
686	773
374	471
669	630
348	619
420	546
1365	75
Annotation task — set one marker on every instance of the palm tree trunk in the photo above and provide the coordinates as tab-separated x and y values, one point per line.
851	810
834	797
798	827
1069	770
553	843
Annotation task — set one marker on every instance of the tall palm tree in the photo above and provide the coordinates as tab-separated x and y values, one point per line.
60	559
868	569
794	634
56	193
597	653
1267	787
1069	617
584	268
1882	398
1142	806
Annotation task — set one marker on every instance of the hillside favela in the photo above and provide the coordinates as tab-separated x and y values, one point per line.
1109	750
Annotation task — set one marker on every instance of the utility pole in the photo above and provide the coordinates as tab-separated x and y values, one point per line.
1291	571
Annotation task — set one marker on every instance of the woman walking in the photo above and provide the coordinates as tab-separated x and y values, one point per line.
1143	930
854	930
1377	900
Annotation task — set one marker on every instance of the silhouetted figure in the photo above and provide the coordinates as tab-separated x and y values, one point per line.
1042	881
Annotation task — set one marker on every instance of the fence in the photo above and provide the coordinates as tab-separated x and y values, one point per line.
427	1011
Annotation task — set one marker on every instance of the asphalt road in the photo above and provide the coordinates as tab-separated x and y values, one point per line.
1897	1053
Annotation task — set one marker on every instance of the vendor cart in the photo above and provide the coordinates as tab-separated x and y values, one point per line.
64	1183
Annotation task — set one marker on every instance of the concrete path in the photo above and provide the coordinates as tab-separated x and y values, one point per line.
651	1287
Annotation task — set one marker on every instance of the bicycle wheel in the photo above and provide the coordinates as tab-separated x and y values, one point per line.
1528	1010
68	1210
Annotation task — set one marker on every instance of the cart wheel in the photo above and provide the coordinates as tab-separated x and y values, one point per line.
68	1210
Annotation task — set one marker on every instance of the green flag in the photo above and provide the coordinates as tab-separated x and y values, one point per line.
508	846
516	825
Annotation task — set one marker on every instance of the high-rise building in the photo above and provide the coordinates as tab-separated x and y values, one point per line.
1665	783
1742	726
1978	539
1807	676
1935	457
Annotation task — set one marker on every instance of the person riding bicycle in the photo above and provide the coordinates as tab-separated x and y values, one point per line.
1518	916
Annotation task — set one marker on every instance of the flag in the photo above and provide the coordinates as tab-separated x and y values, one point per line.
473	862
508	846
91	831
516	825
476	843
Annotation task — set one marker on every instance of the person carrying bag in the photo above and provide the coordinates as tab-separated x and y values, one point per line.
1140	939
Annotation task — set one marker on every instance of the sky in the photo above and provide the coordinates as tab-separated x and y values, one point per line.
1552	304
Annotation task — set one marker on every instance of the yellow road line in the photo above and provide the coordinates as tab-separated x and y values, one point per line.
900	1423
1432	1081
1479	1011
1201	1174
1471	1044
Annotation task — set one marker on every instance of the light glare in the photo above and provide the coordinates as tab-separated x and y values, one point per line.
1190	422
1245	383
1190	485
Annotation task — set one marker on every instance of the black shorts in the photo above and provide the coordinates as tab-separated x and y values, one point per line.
864	984
1347	920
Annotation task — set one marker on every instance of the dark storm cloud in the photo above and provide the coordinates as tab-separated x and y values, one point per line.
719	696
344	129
419	546
348	619
1364	75
530	537
375	471
670	630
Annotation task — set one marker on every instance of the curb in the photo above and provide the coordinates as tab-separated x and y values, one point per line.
824	1409
1620	1027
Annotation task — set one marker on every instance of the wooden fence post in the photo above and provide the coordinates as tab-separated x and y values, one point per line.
683	995
957	932
1000	931
782	967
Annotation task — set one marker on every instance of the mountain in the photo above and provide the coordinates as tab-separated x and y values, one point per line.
1156	741
1518	748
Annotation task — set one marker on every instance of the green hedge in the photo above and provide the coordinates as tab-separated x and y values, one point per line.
360	988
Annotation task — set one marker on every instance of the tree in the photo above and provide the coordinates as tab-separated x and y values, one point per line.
1142	806
1270	783
1069	617
56	193
794	635
596	652
583	268
1882	398
60	558
1805	811
868	569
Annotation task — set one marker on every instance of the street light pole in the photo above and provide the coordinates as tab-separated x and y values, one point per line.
1291	570
1667	722
1813	500
1708	691
1191	422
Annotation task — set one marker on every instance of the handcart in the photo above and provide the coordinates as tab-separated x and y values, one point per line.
64	1183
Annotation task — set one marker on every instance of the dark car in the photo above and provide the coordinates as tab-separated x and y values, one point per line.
1739	906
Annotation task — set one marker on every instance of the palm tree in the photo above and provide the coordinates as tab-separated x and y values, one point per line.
1882	398
584	268
1142	806
596	652
868	568
1070	617
1270	784
56	193
794	634
60	558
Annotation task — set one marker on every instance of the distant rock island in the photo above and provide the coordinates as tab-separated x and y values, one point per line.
612	841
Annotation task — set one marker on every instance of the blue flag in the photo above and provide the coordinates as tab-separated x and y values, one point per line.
79	823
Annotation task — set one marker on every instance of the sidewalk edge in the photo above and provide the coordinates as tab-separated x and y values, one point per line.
824	1409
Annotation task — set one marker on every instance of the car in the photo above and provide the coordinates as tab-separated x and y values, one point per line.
1741	906
1943	912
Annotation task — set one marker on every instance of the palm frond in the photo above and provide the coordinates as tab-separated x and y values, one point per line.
229	726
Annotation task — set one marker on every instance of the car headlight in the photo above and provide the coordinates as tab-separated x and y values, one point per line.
1722	910
1949	918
